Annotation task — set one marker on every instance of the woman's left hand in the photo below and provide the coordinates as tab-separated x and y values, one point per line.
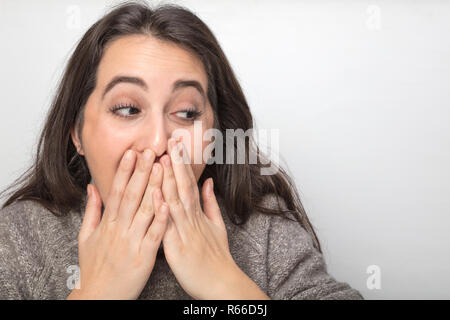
195	242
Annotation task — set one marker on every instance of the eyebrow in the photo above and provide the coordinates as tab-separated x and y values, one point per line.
181	83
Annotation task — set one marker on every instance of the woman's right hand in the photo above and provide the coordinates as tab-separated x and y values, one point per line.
117	251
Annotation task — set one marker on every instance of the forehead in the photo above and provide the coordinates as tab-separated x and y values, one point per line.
157	62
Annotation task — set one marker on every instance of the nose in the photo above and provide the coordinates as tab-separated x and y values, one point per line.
153	135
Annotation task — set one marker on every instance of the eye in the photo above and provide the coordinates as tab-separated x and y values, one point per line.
188	114
121	110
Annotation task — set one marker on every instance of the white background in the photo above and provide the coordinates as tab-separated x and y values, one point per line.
360	91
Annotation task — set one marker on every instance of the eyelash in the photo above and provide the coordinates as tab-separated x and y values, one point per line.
115	108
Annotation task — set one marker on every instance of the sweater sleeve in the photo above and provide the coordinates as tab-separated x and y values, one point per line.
18	263
296	269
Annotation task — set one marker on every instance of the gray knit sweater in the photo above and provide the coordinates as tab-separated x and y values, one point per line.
37	250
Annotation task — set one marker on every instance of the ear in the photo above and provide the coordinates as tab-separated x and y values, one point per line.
76	140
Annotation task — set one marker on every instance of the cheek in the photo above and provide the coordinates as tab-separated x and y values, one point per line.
103	148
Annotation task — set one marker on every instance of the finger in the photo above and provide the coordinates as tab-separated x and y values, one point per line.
92	214
192	177
171	234
145	213
170	193
188	165
158	201
156	231
210	204
187	189
135	189
120	182
171	229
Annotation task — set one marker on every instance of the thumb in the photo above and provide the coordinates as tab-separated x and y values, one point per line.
210	205
92	213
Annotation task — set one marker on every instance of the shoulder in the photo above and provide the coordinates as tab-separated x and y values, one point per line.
27	212
29	223
20	214
31	238
291	265
19	210
21	257
263	229
21	222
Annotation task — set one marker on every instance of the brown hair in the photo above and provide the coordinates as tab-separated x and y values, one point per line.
59	175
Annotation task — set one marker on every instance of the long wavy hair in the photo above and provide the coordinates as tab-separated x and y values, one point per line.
58	177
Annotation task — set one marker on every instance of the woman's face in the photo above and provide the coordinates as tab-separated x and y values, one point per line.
151	108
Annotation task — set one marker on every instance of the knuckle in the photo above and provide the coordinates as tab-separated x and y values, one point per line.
126	166
116	191
190	206
169	173
153	236
174	201
109	228
147	207
122	237
130	196
186	188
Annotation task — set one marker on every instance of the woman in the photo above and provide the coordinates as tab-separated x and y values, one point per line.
155	223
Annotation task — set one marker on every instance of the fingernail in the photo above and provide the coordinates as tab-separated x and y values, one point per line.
128	155
166	161
155	168
147	154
